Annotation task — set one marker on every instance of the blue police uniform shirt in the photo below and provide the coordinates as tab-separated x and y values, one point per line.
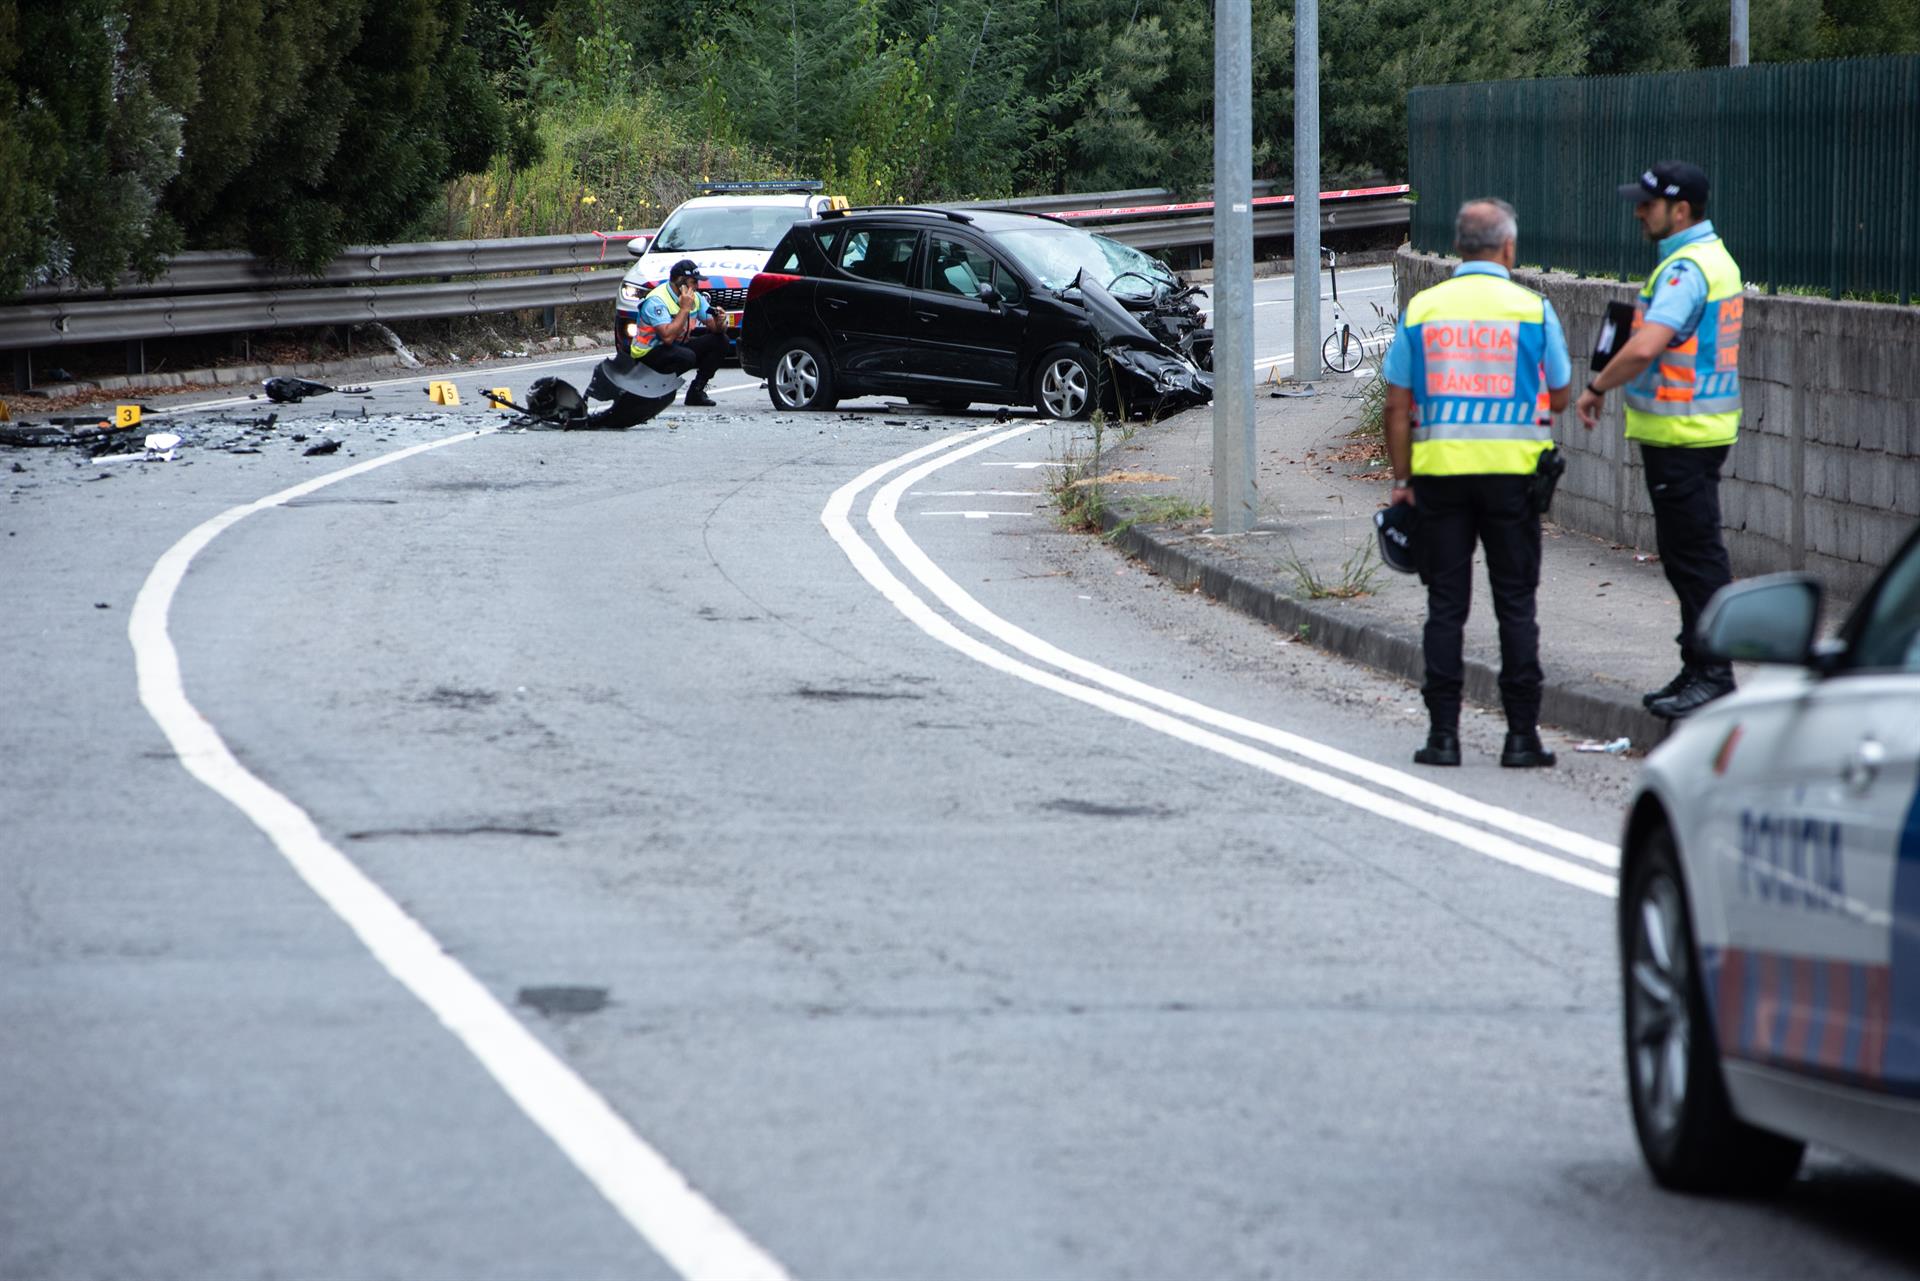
1680	294
1399	367
654	312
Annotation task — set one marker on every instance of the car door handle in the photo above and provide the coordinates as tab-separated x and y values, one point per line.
836	303
1864	765
927	315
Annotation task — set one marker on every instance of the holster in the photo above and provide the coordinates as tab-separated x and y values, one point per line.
1546	475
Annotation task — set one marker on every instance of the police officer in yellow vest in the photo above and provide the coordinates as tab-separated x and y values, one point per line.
1474	374
676	330
1681	369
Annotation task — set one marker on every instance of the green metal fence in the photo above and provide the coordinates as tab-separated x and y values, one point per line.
1815	167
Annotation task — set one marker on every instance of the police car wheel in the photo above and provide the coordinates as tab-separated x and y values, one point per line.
802	377
1065	384
1688	1133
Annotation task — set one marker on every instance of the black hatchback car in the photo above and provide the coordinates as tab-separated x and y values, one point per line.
948	307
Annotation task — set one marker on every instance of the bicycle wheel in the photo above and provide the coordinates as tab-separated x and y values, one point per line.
1341	350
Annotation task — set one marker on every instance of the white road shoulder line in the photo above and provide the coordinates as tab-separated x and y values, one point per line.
835	517
883	515
656	1199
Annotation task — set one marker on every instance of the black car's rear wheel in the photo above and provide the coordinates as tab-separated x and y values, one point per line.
801	377
1688	1133
1066	383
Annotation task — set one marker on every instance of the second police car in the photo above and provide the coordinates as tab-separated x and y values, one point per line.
1769	912
728	230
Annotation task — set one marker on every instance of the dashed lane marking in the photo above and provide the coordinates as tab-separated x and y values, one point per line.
655	1198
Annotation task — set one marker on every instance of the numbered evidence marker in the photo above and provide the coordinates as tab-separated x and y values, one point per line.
443	393
500	397
126	415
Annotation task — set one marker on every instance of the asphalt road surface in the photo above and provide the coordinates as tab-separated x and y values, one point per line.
767	845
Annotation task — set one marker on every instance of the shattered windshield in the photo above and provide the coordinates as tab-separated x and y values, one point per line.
727	227
1055	255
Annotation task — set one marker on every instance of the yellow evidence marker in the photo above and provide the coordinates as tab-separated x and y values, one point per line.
501	398
126	415
443	393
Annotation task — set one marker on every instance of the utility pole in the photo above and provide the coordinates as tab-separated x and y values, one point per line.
1306	190
1233	465
1737	35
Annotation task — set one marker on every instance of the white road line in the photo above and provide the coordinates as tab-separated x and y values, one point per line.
976	515
1147	711
695	1239
975	493
1027	466
954	597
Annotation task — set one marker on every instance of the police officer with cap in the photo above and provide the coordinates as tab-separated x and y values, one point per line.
678	331
1477	368
1681	371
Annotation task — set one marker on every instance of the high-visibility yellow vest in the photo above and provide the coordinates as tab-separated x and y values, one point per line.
646	337
1479	377
1690	396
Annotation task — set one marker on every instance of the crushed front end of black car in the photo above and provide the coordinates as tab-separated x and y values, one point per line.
1149	377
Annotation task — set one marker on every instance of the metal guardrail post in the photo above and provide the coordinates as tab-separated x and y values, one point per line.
136	357
550	316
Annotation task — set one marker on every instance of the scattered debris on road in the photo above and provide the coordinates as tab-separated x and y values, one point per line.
1618	747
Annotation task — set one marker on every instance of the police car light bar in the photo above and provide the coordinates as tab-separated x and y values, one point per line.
776	184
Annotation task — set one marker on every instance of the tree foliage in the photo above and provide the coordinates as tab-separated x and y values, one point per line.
289	127
131	128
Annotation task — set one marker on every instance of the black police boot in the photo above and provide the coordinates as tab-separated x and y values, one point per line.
1694	695
1672	687
698	398
1443	748
1525	751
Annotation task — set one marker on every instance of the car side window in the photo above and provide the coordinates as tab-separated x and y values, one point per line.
787	260
956	267
1888	637
880	254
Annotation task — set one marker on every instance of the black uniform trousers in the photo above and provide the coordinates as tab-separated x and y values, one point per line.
701	349
1684	486
1496	512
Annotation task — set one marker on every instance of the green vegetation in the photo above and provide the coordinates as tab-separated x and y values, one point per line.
1355	578
293	127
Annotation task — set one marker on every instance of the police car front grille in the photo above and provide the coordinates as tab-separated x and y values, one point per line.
730	299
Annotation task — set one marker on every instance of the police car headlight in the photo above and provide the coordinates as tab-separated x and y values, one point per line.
629	293
632	329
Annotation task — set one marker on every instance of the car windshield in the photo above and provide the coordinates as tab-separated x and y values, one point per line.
727	227
1055	255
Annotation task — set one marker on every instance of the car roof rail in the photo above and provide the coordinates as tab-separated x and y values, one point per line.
804	185
953	214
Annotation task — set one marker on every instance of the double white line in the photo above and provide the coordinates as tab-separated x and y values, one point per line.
1489	830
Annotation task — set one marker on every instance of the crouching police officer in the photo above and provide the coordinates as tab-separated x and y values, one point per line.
1474	373
678	331
1681	369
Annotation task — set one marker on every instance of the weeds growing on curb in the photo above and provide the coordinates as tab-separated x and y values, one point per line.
1161	509
1077	487
1356	576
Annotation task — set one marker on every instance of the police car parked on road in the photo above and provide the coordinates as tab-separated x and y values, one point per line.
729	231
1770	898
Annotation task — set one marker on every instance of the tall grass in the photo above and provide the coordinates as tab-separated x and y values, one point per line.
601	169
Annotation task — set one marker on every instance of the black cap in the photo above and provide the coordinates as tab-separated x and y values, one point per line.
685	267
1669	180
1395	527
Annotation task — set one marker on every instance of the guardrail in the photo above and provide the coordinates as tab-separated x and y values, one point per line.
215	292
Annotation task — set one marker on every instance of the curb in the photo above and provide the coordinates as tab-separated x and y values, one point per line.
1584	708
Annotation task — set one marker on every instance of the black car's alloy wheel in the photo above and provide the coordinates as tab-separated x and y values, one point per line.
1688	1133
802	378
1065	384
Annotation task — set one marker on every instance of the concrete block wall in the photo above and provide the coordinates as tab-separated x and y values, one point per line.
1826	474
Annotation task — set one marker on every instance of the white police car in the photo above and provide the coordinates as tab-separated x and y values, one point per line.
1770	898
729	231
